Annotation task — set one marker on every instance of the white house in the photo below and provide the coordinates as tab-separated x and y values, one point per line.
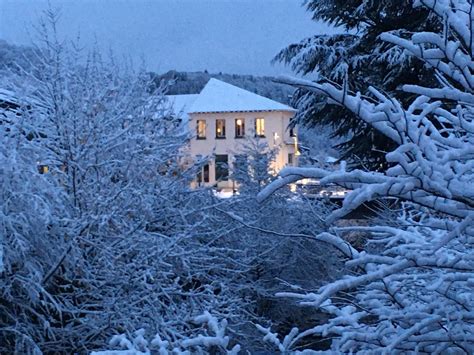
221	116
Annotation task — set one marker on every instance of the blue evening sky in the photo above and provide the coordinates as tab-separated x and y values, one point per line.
233	36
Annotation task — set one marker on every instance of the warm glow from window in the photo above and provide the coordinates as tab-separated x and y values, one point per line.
260	127
43	169
239	128
297	152
220	128
201	129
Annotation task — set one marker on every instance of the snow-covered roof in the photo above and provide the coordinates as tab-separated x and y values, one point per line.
218	96
180	105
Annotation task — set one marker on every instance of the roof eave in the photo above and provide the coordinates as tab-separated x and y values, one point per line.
237	111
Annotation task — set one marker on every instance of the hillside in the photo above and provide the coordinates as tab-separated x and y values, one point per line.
193	82
12	57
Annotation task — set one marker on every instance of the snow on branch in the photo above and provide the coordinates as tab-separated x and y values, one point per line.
411	290
201	344
367	111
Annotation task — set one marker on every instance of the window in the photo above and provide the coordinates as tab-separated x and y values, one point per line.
203	174
201	129
291	158
292	132
239	127
220	128
222	167
43	169
260	127
199	177
205	170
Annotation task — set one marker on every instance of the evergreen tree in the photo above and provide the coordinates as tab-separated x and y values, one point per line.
355	59
252	167
410	289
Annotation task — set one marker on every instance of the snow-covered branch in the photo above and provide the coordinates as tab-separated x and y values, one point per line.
201	344
411	288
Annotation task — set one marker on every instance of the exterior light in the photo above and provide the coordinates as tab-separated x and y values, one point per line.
239	122
297	152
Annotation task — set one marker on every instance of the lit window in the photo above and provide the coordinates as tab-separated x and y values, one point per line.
239	128
222	167
220	128
201	129
260	127
43	169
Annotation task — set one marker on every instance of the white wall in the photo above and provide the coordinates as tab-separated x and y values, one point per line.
275	122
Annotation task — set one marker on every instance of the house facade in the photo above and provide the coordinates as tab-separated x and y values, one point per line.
222	118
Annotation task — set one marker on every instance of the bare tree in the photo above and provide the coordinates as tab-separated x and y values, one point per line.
106	237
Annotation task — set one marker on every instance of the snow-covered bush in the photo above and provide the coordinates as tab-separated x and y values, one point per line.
109	238
214	340
411	289
33	238
277	236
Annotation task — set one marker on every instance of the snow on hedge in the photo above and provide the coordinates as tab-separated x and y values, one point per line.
199	344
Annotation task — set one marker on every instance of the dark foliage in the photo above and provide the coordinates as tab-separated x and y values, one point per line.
180	83
359	58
